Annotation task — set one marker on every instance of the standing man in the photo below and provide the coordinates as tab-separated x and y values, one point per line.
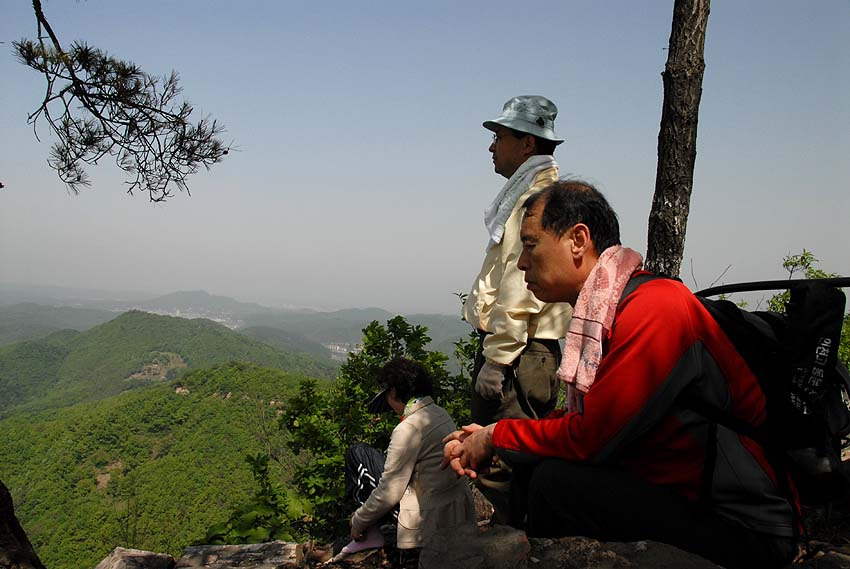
515	367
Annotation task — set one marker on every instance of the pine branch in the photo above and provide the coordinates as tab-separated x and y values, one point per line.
97	105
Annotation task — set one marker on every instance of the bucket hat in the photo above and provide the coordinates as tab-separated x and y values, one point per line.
531	114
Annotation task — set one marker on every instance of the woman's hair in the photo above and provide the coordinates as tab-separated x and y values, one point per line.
409	378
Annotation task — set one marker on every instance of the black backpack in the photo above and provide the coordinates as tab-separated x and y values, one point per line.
807	388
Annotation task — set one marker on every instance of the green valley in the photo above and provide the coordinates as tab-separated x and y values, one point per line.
151	468
135	432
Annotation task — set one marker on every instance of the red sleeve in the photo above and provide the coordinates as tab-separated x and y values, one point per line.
652	333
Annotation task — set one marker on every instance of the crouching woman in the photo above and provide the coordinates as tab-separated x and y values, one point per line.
427	496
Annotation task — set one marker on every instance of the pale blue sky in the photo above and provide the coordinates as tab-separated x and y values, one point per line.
363	170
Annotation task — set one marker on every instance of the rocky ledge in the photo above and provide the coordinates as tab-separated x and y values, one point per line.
490	547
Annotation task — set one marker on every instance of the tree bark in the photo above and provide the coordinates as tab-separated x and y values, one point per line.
677	138
16	551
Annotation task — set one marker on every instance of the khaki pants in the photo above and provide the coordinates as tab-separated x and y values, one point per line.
530	389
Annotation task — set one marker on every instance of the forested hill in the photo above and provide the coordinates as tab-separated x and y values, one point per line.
152	468
133	350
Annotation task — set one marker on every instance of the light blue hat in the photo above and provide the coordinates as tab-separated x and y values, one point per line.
528	113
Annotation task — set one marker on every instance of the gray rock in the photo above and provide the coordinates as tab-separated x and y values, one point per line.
468	547
826	560
582	553
502	547
121	558
271	555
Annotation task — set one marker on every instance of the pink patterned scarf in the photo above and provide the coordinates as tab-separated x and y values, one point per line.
593	315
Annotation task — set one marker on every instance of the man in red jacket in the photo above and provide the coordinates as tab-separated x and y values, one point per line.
629	459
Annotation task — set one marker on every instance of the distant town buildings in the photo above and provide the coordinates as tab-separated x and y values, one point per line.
340	350
228	321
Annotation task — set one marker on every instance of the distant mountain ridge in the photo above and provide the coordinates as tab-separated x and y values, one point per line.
200	301
338	331
69	367
51	295
28	320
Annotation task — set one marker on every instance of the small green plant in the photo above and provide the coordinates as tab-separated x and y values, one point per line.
805	263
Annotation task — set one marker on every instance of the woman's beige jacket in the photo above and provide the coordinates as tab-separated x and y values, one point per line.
429	496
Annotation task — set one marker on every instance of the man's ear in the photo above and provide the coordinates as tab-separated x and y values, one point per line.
580	243
529	145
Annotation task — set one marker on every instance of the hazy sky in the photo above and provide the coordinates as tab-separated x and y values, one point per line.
363	172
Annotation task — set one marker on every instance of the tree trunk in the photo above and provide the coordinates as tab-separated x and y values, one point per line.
677	138
16	552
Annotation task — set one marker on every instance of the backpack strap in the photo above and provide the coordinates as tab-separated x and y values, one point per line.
838	282
636	281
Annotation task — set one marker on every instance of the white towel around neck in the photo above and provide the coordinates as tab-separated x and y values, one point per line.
500	210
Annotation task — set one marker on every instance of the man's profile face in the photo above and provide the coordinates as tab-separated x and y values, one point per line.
550	272
509	152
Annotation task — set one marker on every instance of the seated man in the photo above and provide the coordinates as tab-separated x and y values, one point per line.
627	463
427	496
